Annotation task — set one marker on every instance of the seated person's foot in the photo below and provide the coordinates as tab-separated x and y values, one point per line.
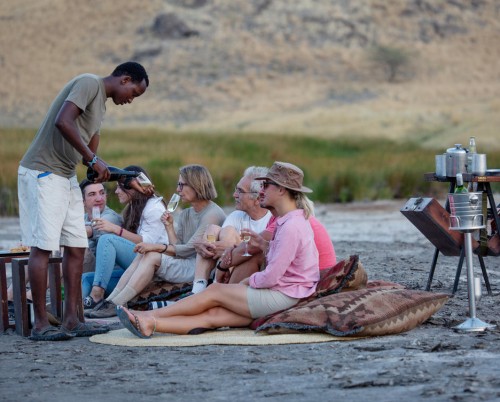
89	303
103	309
142	327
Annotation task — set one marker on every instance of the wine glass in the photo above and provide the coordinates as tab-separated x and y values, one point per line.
173	203
245	226
96	214
143	180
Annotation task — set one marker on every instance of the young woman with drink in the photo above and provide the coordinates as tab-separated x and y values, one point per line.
115	250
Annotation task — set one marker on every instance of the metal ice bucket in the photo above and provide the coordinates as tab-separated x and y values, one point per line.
466	211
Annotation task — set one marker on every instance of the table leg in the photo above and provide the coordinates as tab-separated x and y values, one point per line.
459	270
4	308
20	304
433	268
485	275
493	205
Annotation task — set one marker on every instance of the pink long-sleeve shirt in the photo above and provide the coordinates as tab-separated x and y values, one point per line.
292	260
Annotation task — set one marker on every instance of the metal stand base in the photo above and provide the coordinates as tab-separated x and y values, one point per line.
473	324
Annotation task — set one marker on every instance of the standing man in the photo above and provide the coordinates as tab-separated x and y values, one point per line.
50	200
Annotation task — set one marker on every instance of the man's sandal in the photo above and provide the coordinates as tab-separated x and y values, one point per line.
50	333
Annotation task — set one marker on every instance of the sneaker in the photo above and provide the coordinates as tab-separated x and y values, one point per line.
89	303
159	304
104	309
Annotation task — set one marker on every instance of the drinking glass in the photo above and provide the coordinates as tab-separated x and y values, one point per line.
211	238
173	203
96	213
143	180
245	226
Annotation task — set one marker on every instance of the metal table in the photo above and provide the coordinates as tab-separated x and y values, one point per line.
483	184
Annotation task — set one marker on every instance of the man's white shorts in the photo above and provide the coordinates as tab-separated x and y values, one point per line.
50	210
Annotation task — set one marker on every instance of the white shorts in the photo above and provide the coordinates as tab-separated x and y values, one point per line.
176	270
262	302
50	210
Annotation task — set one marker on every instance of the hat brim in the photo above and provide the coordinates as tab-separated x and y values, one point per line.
303	189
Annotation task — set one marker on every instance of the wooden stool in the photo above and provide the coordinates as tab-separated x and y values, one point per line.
23	322
5	258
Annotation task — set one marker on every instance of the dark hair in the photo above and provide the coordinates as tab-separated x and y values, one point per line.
85	183
132	69
132	212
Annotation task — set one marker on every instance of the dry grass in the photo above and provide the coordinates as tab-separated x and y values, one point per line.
288	69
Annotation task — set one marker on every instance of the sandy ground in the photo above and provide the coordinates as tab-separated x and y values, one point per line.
431	362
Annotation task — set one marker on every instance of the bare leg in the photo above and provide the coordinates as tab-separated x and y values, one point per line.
128	274
37	271
247	268
72	274
203	267
141	276
213	318
226	237
231	297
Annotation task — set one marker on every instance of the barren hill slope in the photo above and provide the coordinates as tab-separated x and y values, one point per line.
265	65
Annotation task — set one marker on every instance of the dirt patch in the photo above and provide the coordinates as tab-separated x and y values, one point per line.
432	361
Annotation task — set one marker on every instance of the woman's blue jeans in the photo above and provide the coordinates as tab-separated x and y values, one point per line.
114	254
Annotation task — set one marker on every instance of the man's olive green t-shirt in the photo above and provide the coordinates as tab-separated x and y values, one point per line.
49	151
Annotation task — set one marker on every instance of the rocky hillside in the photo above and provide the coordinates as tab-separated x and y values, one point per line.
266	65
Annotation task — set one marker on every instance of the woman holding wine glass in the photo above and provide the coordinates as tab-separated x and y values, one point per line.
115	249
291	272
173	262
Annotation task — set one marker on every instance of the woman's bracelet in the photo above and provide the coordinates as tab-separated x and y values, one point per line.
165	249
121	232
220	268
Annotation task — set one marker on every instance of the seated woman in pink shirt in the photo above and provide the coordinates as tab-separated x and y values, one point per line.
291	272
233	267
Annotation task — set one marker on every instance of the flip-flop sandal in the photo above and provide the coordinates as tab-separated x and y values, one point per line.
136	330
49	333
199	330
84	329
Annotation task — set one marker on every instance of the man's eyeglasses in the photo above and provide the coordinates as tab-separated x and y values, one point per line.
266	184
181	185
240	191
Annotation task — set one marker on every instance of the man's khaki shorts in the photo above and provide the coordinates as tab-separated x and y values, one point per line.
50	210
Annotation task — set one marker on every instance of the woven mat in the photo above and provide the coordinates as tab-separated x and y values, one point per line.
123	337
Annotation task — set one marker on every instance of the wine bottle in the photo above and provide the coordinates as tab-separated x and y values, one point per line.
459	186
471	151
117	174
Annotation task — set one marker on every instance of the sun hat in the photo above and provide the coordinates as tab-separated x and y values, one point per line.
286	175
